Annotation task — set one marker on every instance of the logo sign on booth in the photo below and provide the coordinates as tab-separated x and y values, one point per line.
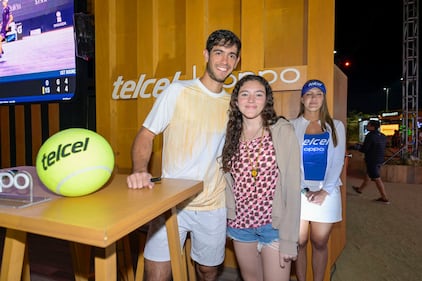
13	179
280	79
17	189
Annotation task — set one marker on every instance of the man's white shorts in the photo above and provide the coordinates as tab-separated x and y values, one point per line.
207	231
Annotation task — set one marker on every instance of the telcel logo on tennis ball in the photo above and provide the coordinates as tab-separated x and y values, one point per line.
75	162
62	152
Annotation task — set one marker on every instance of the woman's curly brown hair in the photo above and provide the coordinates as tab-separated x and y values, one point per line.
235	123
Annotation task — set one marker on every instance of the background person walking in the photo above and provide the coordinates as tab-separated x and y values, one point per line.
374	149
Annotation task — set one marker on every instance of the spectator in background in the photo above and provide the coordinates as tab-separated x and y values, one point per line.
395	140
374	149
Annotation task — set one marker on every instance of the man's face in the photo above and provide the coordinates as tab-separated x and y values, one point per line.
221	62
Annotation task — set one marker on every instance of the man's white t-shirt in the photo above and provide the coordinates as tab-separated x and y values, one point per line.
193	121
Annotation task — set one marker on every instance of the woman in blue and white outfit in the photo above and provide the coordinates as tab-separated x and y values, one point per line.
322	140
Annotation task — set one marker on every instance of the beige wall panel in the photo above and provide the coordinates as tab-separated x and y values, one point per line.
196	34
125	36
125	52
287	103
252	28
145	37
229	18
146	57
284	26
106	64
153	44
320	53
171	39
340	95
115	38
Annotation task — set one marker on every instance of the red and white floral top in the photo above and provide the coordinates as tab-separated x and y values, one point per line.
254	196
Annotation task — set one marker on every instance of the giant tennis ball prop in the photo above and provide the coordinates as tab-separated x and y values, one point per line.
75	162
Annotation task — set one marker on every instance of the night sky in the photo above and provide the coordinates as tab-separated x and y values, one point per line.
369	34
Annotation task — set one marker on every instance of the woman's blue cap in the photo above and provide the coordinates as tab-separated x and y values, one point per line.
313	84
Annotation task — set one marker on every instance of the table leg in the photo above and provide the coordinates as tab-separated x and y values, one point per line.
26	270
105	263
124	259
13	255
178	265
81	258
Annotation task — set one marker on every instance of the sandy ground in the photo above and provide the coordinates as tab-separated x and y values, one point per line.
383	241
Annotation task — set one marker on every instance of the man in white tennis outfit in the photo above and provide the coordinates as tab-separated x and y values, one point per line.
192	116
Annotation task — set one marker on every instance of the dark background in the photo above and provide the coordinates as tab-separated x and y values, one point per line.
369	34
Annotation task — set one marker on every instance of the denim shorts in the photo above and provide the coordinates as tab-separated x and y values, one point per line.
265	234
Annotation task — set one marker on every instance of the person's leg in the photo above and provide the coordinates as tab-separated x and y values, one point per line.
302	255
364	183
272	271
249	260
320	233
376	177
208	236
157	266
207	273
366	179
381	188
157	271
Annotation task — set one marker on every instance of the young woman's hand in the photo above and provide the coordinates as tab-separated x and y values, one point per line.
316	197
286	259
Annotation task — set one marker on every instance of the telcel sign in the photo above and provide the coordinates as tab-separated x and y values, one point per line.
280	79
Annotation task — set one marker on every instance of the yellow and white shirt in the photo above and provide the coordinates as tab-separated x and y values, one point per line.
194	122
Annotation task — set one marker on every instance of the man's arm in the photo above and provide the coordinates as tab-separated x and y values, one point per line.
141	154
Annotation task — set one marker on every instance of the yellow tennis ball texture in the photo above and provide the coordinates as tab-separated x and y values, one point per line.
75	162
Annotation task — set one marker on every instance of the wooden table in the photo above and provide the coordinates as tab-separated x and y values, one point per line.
100	220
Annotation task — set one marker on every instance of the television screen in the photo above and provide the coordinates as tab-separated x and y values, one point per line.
38	63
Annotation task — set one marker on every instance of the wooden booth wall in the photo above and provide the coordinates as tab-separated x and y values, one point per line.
155	39
137	41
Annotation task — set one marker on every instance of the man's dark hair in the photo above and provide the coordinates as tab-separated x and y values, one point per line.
374	123
224	38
